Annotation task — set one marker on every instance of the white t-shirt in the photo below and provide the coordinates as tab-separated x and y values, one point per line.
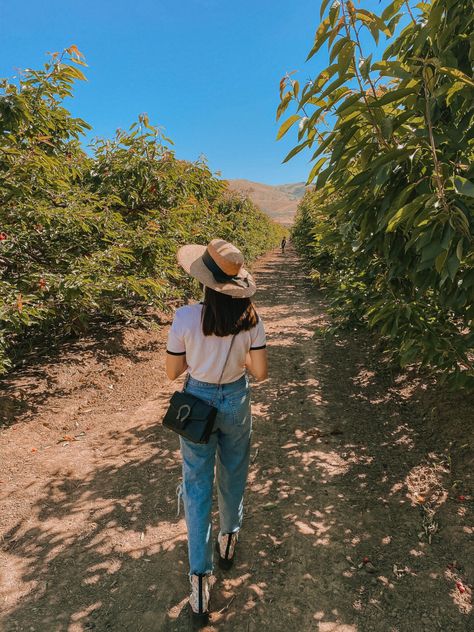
205	355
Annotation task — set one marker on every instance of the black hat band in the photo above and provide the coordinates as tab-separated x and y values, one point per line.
219	275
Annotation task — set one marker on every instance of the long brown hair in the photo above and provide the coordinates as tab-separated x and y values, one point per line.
223	315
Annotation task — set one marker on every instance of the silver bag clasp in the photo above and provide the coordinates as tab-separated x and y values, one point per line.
183	412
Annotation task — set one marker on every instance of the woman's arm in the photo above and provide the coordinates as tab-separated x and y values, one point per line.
175	365
257	364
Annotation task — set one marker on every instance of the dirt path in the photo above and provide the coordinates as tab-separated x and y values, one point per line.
347	462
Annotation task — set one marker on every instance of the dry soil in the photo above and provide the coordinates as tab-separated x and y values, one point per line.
359	505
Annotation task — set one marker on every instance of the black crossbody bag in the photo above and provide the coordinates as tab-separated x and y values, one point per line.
190	416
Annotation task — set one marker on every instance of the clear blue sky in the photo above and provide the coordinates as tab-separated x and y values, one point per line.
206	70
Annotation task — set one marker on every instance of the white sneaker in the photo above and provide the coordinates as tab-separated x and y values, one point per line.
200	595
225	546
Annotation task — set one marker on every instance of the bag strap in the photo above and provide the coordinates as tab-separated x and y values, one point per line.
186	380
223	368
226	359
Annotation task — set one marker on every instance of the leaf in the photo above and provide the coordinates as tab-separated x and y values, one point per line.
406	211
434	16
360	178
322	146
324	5
45	139
453	266
457	74
318	83
334	12
391	9
316	169
393	69
463	221
333	86
374	30
393	23
390	156
335	32
74	72
314	118
393	95
337	47
322	178
76	60
354	98
440	260
431	251
463	186
283	104
365	66
371	19
429	78
386	125
337	95
456	87
296	150
286	125
282	84
345	57
321	36
75	51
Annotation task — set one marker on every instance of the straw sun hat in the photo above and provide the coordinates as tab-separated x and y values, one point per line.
220	266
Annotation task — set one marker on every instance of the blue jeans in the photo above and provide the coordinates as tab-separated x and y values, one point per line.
231	442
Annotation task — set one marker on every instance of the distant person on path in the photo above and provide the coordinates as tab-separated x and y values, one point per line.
203	335
283	244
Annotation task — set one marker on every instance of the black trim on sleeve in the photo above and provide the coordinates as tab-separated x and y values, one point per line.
257	348
177	353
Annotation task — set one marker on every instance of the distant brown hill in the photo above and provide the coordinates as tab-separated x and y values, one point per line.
279	202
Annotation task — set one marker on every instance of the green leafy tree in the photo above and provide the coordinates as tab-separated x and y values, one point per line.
391	219
86	237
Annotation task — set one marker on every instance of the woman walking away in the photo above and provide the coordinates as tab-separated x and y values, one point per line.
218	341
283	244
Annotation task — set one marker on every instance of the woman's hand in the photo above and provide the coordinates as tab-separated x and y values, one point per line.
175	365
257	364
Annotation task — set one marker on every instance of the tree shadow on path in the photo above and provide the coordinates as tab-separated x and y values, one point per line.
339	462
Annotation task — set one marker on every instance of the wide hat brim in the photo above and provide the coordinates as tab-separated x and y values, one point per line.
190	259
